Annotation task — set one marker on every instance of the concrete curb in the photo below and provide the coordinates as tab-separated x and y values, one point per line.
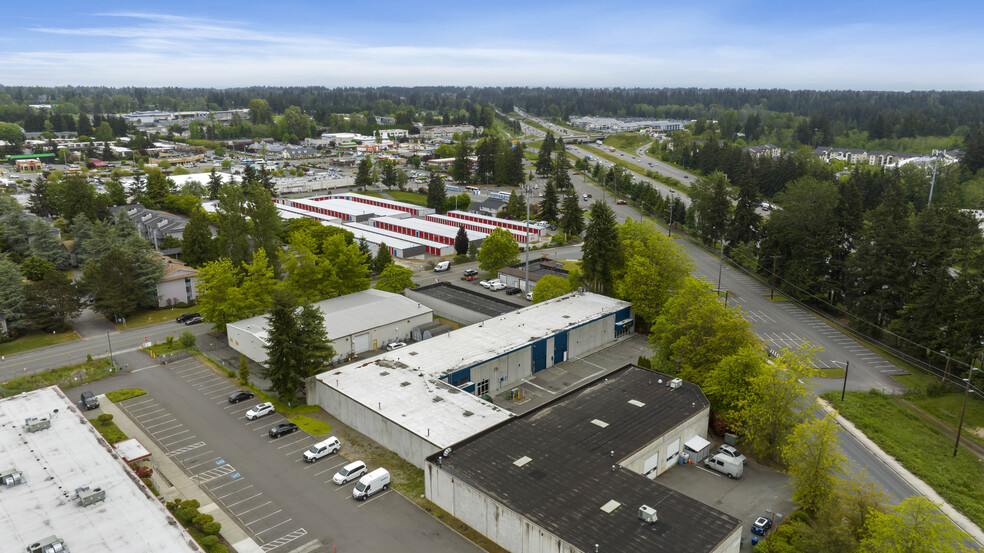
961	521
180	484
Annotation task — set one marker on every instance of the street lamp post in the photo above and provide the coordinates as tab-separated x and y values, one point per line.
847	367
956	445
720	266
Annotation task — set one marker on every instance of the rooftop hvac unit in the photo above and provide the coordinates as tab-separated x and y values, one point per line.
647	514
51	544
86	497
676	383
35	424
11	477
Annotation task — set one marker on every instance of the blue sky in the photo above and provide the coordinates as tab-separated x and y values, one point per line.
882	45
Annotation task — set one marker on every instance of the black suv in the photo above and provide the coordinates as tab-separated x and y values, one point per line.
282	429
241	395
185	316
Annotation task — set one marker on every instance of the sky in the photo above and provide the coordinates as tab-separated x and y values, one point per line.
868	45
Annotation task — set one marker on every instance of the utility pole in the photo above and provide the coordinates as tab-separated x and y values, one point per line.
526	284
720	266
956	445
847	367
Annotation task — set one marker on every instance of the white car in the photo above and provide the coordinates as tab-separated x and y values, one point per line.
732	452
260	410
322	449
485	283
349	472
529	296
496	285
395	345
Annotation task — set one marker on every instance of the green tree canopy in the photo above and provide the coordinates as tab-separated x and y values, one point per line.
498	250
395	279
814	462
549	287
436	193
571	217
602	250
654	269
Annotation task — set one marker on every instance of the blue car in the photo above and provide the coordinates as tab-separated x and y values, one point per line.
761	525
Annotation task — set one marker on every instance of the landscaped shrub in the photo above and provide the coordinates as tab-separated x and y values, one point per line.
187	339
212	528
202	519
104	418
208	542
219	549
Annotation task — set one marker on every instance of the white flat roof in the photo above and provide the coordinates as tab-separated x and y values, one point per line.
288	212
55	462
401	206
383	232
443	422
431	227
351	313
373	237
349	207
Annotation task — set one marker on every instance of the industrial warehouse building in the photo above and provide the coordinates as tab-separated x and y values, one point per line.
63	487
403	399
567	477
355	323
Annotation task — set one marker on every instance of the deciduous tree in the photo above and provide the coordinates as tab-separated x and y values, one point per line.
814	462
498	250
913	526
395	279
654	269
549	287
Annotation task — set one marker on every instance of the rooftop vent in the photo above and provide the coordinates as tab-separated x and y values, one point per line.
86	497
637	403
11	477
647	514
522	461
610	506
404	384
675	383
600	423
468	413
384	373
51	544
35	424
437	399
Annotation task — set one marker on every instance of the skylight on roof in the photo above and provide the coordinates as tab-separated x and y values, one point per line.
522	461
610	506
600	423
637	403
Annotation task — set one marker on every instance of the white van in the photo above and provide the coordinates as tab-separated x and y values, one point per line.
376	481
349	472
725	464
442	266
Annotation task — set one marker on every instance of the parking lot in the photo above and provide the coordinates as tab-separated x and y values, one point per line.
263	483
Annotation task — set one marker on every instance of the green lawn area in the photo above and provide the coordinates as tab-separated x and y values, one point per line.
502	131
627	142
372	193
409	197
124	394
947	409
311	426
36	339
66	377
919	447
146	317
108	429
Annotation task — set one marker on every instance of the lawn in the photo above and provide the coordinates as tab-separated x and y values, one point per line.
409	197
947	409
918	447
146	317
311	426
627	142
66	377
36	339
108	429
372	193
124	394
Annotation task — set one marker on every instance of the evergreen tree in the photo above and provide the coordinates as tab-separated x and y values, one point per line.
83	127
389	174
602	249
52	301
516	206
233	238
317	348
197	245
158	188
116	191
266	181
711	201
461	242
112	283
571	217
363	178
973	159
12	298
285	367
137	190
544	164
38	202
364	248
516	174
548	203
383	258
266	226
485	151
436	193
214	183
745	222
459	168
47	245
17	233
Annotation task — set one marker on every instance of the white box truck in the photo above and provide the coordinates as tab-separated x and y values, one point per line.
376	481
725	464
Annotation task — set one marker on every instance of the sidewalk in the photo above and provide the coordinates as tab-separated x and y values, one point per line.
176	484
961	521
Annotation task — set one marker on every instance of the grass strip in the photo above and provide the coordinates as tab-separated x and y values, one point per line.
124	394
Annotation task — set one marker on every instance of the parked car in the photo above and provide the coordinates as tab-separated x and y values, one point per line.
761	525
485	283
241	395
730	451
395	345
322	449
442	266
283	429
349	472
260	410
529	295
89	401
185	316
469	274
512	291
497	285
725	464
194	320
620	202
376	481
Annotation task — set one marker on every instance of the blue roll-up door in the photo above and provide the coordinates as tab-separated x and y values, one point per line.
539	354
560	347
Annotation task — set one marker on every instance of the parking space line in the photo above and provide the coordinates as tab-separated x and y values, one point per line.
148	400
278	524
155	418
193	380
221	497
212	460
343	463
135	411
185	449
182	372
231	505
366	501
303	438
257	507
169	444
162	438
283	540
296	451
166	429
234	481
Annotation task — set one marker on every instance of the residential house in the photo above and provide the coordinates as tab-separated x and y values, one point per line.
178	285
770	150
154	225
